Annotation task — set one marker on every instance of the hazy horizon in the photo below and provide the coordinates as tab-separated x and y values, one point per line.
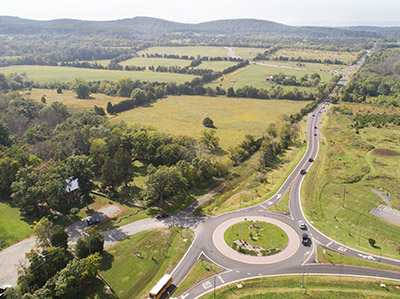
337	13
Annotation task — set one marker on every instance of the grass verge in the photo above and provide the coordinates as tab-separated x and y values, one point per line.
327	287
200	271
132	276
336	258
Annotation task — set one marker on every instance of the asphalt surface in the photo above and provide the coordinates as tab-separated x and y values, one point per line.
208	243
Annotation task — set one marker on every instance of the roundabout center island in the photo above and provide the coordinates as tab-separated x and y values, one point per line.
256	240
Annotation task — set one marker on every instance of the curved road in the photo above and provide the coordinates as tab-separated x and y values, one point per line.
301	261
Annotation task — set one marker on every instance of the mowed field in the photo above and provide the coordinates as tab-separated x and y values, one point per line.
347	57
190	51
254	75
68	74
233	117
68	97
248	53
304	65
143	61
217	66
355	164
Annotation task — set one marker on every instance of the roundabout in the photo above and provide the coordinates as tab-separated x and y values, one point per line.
291	248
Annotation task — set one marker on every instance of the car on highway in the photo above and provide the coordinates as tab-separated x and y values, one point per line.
315	134
313	115
162	215
92	220
304	239
311	160
303	171
315	127
302	225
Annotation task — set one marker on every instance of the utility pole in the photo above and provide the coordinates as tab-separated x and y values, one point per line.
44	264
344	195
308	271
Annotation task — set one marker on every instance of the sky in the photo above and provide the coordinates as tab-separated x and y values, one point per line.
290	12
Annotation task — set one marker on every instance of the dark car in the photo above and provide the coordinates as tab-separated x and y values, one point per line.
303	171
315	128
313	115
3	288
311	160
162	215
92	220
304	239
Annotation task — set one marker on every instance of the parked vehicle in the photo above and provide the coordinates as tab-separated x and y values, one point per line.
162	215
92	220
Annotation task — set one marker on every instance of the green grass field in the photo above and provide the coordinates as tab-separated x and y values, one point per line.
347	57
321	287
233	117
189	51
131	276
143	61
305	65
248	53
13	227
217	66
334	258
265	235
347	160
255	75
200	271
68	74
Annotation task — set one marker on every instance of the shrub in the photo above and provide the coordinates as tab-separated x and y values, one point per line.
372	242
74	211
208	122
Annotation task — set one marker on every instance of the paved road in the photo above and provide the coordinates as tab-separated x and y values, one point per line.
296	263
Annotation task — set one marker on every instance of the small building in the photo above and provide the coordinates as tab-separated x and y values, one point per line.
72	188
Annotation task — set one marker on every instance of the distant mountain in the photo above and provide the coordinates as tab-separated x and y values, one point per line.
146	26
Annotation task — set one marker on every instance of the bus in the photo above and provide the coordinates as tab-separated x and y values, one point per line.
161	286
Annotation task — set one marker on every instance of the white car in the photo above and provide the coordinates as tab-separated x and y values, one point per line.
302	225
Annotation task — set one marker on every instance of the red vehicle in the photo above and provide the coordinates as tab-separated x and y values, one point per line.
162	215
315	134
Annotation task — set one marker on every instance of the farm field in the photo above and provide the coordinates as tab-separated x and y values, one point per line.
189	51
355	164
325	287
216	65
346	57
248	53
306	65
131	276
233	117
68	74
143	61
254	75
68	97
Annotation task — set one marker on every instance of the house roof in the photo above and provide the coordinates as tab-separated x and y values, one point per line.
72	185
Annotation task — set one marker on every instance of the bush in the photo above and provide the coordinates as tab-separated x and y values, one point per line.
208	122
74	211
372	242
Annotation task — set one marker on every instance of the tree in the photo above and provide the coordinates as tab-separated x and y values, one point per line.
43	99
81	89
99	110
94	242
139	96
110	108
230	92
82	248
208	122
4	135
59	90
59	238
124	86
209	138
79	167
92	266
166	182
44	231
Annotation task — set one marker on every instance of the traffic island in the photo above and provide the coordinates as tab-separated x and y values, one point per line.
256	238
